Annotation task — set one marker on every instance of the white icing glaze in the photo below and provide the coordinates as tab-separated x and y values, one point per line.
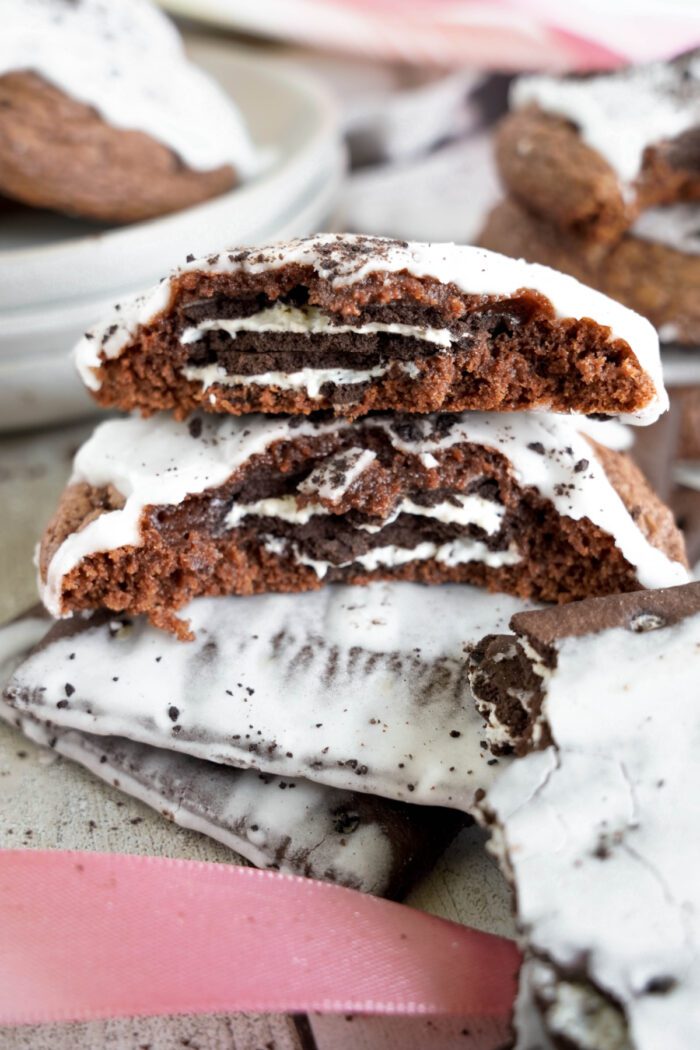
677	226
374	698
473	270
157	462
126	60
600	830
310	321
291	823
577	493
619	115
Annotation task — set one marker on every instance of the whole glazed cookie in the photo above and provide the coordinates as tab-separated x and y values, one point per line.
281	823
596	827
103	116
589	153
654	268
351	687
355	324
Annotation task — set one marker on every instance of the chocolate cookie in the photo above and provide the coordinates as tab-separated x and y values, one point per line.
588	154
654	269
281	823
354	323
159	511
596	828
102	115
350	687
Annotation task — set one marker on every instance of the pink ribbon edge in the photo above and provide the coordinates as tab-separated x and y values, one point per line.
95	935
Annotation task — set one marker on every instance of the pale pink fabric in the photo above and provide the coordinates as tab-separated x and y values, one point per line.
87	935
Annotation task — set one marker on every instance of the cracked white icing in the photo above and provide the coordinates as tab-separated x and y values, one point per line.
677	226
158	462
620	114
600	836
126	60
346	259
348	686
297	826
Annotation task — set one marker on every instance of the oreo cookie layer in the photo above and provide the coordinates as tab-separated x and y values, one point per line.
281	823
158	512
357	324
597	828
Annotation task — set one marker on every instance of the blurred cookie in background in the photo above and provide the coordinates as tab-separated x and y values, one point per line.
602	174
103	116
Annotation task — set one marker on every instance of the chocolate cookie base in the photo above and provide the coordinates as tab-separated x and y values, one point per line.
58	153
506	354
653	279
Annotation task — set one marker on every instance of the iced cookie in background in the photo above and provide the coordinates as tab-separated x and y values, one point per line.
596	827
159	511
354	324
588	154
654	268
603	182
103	116
280	823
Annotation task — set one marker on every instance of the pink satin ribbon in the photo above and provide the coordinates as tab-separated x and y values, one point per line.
88	935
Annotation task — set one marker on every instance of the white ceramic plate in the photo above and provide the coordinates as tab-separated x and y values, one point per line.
50	259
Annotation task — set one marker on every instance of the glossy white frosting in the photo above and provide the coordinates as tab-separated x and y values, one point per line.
349	258
157	462
125	59
599	832
347	686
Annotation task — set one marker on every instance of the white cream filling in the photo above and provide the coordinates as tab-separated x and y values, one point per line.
310	321
465	510
455	552
311	380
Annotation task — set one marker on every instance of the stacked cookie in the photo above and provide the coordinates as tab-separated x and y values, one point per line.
603	182
346	411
